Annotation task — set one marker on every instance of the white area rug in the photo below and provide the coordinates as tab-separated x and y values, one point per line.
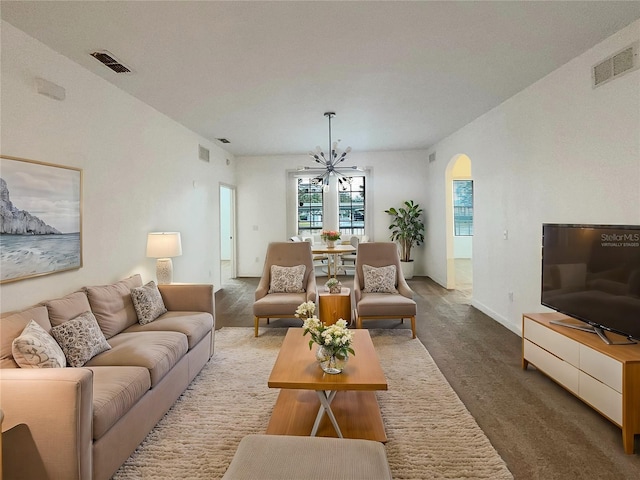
431	433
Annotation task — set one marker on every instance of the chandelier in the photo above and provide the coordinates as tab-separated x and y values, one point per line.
330	164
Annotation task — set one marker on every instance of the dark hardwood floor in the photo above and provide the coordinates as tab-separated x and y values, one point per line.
539	429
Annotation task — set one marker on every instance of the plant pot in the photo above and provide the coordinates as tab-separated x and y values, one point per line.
407	269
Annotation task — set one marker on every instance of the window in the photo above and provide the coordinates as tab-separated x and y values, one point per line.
310	202
463	208
351	204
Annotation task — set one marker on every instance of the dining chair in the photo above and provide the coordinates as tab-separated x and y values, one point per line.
380	290
283	288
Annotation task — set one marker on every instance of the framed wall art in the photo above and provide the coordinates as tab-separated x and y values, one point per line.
40	218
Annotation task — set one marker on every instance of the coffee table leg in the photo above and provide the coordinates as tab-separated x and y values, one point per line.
325	406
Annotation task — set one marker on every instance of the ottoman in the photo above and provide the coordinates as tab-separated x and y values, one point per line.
271	457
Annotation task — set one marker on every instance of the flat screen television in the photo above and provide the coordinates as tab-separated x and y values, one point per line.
592	273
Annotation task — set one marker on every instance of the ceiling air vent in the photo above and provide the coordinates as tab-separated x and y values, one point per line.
203	153
616	65
432	157
110	61
223	140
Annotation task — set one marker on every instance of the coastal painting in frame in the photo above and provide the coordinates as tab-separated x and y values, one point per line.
40	218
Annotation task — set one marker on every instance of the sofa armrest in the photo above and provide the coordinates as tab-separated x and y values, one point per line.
48	422
188	297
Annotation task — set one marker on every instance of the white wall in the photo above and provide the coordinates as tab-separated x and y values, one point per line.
559	151
141	171
262	198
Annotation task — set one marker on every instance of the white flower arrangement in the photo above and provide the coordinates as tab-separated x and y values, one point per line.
336	338
305	310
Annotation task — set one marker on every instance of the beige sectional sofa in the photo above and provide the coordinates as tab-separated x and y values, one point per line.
84	422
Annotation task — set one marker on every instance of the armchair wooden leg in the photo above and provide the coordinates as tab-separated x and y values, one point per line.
359	322
413	326
255	322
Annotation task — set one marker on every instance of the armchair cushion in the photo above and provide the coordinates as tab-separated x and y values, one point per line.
379	279
287	279
35	348
81	339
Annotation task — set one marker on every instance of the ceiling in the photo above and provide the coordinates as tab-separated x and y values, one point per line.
399	75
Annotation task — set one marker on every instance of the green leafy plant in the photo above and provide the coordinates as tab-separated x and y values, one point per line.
407	228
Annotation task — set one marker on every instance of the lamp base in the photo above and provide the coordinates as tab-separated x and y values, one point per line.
164	271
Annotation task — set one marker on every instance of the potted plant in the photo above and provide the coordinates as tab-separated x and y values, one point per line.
407	229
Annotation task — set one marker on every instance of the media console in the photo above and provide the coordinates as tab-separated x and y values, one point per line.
605	377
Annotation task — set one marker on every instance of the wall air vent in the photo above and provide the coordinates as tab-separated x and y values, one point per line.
203	153
110	61
432	157
223	140
616	65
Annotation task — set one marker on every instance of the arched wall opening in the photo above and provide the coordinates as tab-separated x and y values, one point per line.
459	240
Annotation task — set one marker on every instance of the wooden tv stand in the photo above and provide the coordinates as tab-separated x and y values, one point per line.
605	377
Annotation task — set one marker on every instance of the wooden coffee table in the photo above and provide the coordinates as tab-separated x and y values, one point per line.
315	403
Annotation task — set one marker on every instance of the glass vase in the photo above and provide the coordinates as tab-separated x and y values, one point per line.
331	243
329	361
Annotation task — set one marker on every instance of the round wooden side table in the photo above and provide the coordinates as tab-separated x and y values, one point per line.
334	306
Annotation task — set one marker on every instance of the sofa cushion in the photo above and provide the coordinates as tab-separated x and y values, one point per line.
158	352
12	325
35	348
81	339
147	302
70	306
379	279
287	279
115	391
195	325
112	305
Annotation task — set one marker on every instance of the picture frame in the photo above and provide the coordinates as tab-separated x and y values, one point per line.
41	218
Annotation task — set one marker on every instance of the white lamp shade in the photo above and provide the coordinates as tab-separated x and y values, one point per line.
164	245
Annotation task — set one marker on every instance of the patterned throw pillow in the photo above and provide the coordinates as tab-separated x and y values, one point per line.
148	302
35	348
81	339
287	279
380	279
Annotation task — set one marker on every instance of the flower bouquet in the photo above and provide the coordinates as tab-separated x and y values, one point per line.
330	236
334	342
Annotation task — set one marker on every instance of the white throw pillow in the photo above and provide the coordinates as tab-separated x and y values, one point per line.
287	279
148	302
379	279
35	348
81	339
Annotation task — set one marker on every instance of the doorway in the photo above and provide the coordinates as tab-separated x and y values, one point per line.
459	220
227	233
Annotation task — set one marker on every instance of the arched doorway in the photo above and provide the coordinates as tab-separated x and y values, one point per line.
459	223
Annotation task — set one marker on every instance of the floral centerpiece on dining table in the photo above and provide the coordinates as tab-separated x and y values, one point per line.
330	237
334	341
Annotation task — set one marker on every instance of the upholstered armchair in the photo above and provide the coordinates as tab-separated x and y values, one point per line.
281	290
378	293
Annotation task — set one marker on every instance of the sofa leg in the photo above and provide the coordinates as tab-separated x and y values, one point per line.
413	326
359	322
256	320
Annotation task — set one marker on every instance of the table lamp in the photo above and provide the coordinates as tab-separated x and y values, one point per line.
163	246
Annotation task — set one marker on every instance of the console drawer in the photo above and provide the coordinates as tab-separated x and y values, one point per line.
559	345
560	371
601	397
601	367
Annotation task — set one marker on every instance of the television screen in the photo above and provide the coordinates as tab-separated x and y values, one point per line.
592	273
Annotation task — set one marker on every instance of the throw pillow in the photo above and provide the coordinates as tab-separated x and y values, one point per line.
379	279
81	339
148	302
287	279
35	348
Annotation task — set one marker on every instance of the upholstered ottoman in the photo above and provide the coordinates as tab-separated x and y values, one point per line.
271	457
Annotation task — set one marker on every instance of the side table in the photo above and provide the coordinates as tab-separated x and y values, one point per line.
334	306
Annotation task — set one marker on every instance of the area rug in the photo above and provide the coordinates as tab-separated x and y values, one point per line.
431	433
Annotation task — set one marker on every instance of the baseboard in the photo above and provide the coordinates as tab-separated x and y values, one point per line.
517	329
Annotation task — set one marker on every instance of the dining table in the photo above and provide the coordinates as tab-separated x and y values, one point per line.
333	255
